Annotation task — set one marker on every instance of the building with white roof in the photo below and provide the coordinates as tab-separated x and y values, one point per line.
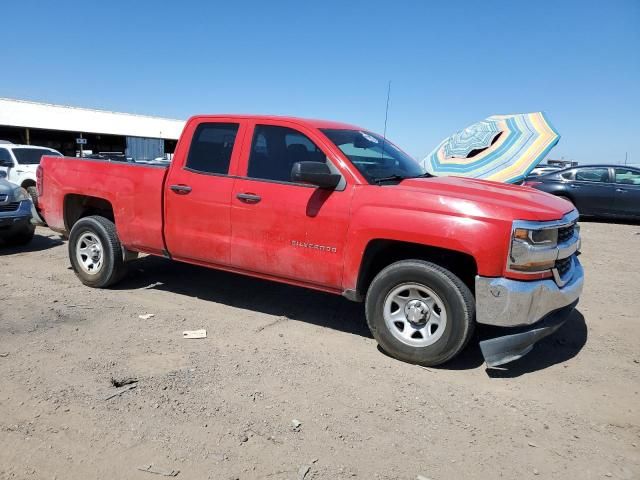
59	127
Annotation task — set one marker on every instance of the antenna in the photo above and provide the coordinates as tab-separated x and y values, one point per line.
386	115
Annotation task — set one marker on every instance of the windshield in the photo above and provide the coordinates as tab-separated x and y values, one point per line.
376	158
32	156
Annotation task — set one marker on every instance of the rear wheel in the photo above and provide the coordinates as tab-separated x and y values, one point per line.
37	215
95	252
420	312
33	193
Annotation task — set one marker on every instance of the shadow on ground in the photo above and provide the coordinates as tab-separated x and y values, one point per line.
248	293
563	345
39	243
331	311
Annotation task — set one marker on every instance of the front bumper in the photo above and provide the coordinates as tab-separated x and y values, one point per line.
512	303
16	218
531	310
16	221
520	340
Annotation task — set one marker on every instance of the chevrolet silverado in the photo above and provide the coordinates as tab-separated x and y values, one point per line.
337	208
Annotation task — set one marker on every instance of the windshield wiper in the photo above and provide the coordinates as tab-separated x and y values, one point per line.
390	178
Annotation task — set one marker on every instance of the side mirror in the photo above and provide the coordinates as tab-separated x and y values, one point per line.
315	173
3	174
6	163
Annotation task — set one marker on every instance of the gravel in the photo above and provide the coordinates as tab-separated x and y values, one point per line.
222	407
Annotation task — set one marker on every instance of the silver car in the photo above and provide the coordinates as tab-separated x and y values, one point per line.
15	214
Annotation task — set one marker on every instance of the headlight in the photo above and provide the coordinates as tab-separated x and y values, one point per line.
533	250
548	237
21	194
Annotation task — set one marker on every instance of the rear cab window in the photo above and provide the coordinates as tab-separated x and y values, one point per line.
211	148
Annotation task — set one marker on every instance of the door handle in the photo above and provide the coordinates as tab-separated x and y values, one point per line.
572	185
180	189
248	197
621	190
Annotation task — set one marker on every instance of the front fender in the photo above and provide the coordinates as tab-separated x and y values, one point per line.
486	240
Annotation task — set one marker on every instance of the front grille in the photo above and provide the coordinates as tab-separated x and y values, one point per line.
565	233
9	207
563	266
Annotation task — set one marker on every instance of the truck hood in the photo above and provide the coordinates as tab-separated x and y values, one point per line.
482	198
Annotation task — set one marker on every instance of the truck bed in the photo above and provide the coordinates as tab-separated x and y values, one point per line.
134	191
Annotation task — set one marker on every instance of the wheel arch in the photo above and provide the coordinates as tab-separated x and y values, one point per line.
80	206
28	182
380	253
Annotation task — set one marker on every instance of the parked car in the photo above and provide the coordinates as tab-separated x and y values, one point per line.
595	190
20	162
332	207
15	214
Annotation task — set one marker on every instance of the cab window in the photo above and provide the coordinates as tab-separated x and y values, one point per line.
275	149
211	148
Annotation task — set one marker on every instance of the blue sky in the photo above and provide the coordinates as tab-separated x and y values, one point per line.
451	63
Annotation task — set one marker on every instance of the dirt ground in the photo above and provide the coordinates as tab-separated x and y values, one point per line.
224	407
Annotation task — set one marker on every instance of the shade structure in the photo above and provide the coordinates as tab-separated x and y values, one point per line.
502	148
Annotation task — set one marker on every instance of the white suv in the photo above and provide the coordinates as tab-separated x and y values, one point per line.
20	163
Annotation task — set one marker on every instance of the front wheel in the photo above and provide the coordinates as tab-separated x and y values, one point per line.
95	252
420	312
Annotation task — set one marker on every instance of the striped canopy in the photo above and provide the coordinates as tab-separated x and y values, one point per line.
502	148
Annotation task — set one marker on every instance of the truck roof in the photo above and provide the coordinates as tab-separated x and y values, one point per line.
314	123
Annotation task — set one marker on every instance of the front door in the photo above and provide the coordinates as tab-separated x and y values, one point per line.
287	229
627	196
592	191
198	193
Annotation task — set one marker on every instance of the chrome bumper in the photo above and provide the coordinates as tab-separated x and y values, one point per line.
511	303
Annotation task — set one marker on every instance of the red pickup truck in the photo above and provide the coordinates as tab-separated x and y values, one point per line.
332	207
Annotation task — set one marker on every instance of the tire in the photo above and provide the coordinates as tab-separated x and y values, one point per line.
436	291
21	238
38	219
33	193
100	264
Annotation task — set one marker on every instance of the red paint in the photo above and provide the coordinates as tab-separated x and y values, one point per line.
295	234
531	183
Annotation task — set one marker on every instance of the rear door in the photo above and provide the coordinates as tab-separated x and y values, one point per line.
287	229
198	192
627	191
592	190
